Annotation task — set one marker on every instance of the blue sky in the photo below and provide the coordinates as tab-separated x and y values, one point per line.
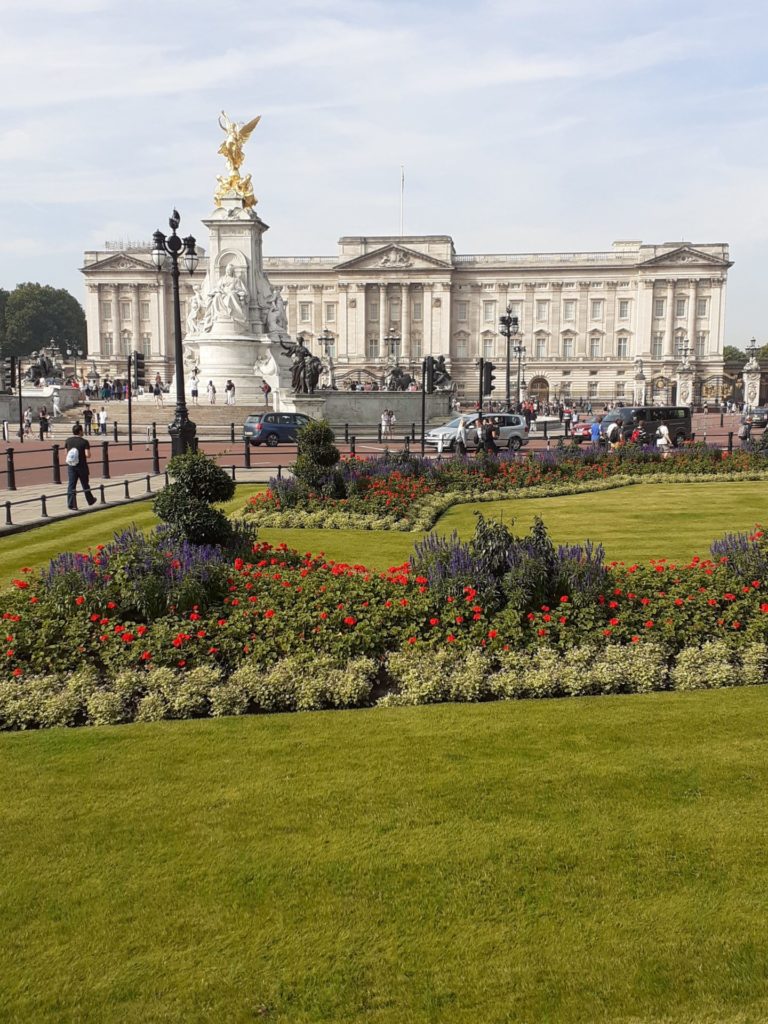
523	125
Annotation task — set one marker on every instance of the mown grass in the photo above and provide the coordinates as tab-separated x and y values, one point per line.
574	861
635	523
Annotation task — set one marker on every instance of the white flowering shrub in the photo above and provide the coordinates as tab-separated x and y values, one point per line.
634	668
448	675
706	667
754	665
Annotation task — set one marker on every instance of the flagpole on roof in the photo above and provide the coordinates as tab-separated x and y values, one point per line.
402	190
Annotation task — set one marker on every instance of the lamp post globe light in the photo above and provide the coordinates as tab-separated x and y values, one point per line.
327	340
74	354
182	430
509	326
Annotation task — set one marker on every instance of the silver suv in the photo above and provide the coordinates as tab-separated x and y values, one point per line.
513	432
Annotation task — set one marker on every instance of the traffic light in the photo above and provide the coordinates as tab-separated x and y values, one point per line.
488	378
8	373
429	374
139	370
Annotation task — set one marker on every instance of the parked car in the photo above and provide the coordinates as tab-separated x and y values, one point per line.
758	417
513	432
676	417
582	431
274	428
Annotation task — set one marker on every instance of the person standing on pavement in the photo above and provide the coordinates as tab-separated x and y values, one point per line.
28	421
78	450
102	420
229	388
195	386
43	422
88	420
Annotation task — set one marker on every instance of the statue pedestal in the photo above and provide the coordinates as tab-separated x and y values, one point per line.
751	377
685	386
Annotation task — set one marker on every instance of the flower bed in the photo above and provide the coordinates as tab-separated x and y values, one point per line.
410	493
491	618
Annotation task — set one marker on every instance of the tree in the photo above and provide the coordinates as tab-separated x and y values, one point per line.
732	355
3	303
36	314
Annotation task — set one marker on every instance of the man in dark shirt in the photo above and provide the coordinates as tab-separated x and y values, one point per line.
88	419
490	433
78	469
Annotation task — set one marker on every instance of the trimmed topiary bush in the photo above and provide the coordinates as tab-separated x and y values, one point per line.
317	460
186	504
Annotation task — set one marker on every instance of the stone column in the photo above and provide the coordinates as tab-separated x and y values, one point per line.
692	316
382	316
405	322
135	320
361	323
582	321
669	331
317	311
751	377
426	345
342	335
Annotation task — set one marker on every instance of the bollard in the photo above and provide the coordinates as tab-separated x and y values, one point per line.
346	433
378	431
165	475
406	444
155	454
233	474
247	453
693	437
149	485
413	433
8	520
127	492
102	494
43	506
730	440
232	432
279	472
56	466
721	421
10	469
114	430
154	431
105	459
546	432
352	441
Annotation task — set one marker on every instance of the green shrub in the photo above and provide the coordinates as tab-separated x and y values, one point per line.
201	477
316	461
450	674
197	521
105	707
704	668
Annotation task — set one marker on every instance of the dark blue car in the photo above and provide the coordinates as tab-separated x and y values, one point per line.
273	428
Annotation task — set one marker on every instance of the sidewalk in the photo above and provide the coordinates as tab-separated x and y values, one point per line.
40	504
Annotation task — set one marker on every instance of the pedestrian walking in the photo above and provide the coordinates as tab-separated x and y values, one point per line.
28	421
157	391
78	450
461	436
56	404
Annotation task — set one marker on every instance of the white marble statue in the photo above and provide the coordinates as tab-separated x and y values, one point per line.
199	318
229	299
277	318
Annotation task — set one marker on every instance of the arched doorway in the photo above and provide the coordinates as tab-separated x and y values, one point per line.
539	389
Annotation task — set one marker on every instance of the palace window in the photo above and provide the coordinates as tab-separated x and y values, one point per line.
416	346
304	312
542	310
565	389
125	311
489	312
107	344
567	348
622	347
541	348
701	344
596	307
657	346
372	348
462	310
418	311
106	310
144	310
462	347
595	345
618	389
126	339
623	309
330	312
659	306
702	307
680	306
592	389
146	344
373	311
488	347
515	309
394	310
569	309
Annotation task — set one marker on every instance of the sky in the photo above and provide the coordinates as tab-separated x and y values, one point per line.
522	125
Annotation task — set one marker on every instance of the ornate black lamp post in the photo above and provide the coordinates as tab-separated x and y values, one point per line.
519	351
182	430
327	340
393	344
74	354
509	327
685	351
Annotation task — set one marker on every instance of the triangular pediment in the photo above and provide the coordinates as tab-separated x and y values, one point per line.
394	257
121	261
685	254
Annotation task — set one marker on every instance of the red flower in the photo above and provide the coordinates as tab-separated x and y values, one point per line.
80	600
17	672
492	634
350	620
613	622
541	632
111	605
450	638
145	656
269	613
564	599
411	639
648	624
434	622
21	584
635	639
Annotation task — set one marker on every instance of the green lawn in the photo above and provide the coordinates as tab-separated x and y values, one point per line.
574	861
639	522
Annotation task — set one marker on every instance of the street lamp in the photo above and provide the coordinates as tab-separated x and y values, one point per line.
519	351
684	350
509	327
393	343
74	354
327	340
182	430
752	352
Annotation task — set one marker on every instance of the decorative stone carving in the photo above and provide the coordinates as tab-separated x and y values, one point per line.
395	258
228	301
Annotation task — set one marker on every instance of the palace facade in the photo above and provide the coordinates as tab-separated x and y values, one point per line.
585	318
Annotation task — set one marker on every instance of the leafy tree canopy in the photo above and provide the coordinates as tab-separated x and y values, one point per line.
731	354
35	314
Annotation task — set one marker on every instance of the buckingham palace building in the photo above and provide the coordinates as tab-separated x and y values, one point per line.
585	318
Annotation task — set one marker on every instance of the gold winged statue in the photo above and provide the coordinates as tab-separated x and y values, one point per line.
236	135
